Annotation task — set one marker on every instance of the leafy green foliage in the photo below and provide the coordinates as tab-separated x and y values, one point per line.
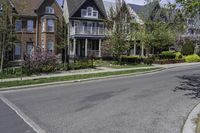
188	48
132	59
167	55
192	58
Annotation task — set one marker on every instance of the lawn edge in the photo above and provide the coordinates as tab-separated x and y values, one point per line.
190	124
81	80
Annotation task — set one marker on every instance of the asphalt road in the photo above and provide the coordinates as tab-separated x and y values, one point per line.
10	122
141	104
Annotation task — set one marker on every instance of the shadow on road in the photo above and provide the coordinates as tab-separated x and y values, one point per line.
190	84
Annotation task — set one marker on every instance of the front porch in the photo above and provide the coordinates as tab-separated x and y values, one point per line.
83	48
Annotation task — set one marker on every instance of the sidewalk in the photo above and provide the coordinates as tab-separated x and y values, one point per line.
97	70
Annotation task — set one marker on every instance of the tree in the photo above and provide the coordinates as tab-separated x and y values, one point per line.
190	7
63	43
6	31
117	24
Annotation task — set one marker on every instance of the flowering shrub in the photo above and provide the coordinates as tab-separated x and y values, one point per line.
41	62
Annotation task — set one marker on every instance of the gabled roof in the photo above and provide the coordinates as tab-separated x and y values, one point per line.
145	11
26	7
74	5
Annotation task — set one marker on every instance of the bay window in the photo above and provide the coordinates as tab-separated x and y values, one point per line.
50	25
50	46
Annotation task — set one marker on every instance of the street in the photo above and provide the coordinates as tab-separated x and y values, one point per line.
137	104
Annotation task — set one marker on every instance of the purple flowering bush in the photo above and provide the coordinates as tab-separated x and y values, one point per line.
41	62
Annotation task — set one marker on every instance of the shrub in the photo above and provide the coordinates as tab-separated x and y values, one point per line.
178	55
41	62
131	59
169	61
192	58
188	48
81	64
167	55
149	60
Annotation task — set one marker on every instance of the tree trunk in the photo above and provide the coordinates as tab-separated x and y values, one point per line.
2	53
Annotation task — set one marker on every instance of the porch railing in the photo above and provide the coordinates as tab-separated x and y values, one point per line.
93	53
84	30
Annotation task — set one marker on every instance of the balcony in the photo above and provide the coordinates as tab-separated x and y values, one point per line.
88	31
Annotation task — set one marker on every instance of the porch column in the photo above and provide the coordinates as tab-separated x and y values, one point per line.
100	47
74	47
86	47
142	52
134	52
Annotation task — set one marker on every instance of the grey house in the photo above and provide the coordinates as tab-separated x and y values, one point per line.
86	28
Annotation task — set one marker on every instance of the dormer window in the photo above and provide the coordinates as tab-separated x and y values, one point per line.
49	10
89	12
1	8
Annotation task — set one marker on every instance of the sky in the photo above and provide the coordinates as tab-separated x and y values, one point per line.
140	2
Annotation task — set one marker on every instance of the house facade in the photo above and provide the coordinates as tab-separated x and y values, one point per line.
35	23
86	28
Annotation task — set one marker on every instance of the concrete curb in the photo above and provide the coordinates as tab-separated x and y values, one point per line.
190	125
82	80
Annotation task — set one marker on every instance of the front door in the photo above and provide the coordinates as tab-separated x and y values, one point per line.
80	48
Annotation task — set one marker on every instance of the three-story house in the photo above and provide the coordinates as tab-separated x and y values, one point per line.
35	24
86	28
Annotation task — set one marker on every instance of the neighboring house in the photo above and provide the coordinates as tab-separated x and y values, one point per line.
137	14
193	28
35	23
86	28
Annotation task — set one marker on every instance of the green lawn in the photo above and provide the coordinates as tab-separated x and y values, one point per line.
198	124
115	65
70	78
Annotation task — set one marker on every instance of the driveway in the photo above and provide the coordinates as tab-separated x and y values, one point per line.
139	104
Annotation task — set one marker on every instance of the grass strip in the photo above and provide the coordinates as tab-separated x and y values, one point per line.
70	78
198	124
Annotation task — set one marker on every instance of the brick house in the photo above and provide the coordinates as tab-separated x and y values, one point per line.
35	23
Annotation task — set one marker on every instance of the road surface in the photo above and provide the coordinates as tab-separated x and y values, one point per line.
138	104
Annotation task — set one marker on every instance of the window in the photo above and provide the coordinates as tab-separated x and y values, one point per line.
18	25
29	49
50	46
83	12
1	8
95	14
43	25
49	10
50	25
30	25
17	52
89	11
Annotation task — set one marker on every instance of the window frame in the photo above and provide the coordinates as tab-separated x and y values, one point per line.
16	29
29	51
50	49
50	26
30	28
49	10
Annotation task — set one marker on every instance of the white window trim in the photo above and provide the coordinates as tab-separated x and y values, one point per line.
16	26
49	9
87	13
30	28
